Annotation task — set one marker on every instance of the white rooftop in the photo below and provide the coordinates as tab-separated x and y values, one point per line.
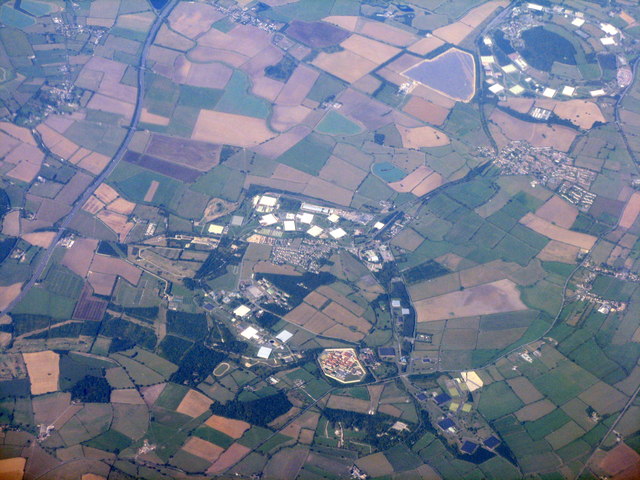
216	229
306	218
517	89
284	335
510	68
549	92
242	311
267	201
289	226
535	6
333	218
578	22
597	93
487	59
337	233
521	63
268	219
609	29
608	41
496	88
378	226
315	231
249	333
264	352
568	91
309	207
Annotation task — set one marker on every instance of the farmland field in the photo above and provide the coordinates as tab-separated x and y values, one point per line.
459	67
335	124
311	239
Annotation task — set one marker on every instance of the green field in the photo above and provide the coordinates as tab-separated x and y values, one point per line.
189	204
356	392
401	458
168	439
337	125
161	95
374	188
199	97
309	156
14	18
214	436
317	388
145	294
498	400
305	10
564	382
273	442
133	182
109	441
154	362
62	281
225	25
542	427
182	121
474	193
140	374
254	437
237	99
131	420
171	396
221	182
39	9
189	463
465	123
39	301
102	138
326	86
543	296
23	411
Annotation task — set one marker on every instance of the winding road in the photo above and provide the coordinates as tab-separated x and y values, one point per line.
45	256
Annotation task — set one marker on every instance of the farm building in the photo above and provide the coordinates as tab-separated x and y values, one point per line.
264	352
284	335
242	311
249	333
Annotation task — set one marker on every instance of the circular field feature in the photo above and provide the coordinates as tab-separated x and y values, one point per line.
221	369
543	47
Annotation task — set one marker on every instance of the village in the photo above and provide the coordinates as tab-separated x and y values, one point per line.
549	167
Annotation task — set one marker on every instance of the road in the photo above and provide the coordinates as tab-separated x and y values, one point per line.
479	74
616	109
45	256
633	397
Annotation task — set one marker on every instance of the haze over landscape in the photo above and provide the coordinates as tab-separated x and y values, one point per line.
319	239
